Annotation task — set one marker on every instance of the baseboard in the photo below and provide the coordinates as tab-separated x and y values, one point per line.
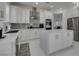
60	50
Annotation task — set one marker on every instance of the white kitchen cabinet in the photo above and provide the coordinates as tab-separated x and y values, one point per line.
13	14
5	49
58	41
48	15
52	44
8	45
68	37
42	16
19	14
55	40
27	15
6	12
28	34
22	15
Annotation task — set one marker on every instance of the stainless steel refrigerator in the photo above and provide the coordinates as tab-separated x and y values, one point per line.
73	24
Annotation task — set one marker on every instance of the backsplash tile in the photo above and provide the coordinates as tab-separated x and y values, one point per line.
18	25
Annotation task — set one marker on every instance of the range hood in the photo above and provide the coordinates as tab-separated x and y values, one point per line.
34	17
34	13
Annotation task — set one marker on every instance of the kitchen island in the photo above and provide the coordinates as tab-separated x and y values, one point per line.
55	40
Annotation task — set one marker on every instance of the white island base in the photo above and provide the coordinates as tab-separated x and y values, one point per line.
55	40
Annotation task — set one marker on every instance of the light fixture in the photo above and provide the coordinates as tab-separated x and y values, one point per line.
36	3
76	4
51	6
61	8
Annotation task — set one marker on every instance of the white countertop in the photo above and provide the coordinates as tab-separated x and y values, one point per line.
10	37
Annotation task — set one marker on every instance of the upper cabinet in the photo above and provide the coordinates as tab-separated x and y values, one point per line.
2	11
45	14
27	15
57	24
13	14
42	16
48	14
19	14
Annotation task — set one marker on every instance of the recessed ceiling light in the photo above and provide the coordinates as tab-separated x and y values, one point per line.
36	3
51	6
61	8
76	4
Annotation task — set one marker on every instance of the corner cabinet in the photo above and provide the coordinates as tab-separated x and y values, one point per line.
55	40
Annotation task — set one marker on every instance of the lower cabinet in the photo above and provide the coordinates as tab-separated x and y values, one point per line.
7	49
56	40
68	38
29	34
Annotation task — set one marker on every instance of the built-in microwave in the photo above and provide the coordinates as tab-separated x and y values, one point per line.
48	24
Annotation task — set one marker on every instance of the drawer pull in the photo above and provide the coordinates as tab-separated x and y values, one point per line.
67	34
57	36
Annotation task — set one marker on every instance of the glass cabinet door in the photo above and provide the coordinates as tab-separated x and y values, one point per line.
57	21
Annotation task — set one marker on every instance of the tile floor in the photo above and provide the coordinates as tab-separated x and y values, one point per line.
70	51
35	48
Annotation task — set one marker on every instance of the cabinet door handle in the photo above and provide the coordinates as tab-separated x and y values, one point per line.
57	36
68	35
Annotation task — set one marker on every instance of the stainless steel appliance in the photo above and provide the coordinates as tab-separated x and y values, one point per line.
34	18
48	24
73	24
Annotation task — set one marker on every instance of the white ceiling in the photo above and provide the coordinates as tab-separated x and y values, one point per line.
57	5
